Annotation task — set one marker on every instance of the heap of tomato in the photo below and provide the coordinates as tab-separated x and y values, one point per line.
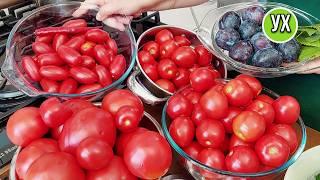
169	60
76	140
73	58
231	126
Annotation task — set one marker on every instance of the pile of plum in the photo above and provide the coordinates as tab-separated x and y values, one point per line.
241	34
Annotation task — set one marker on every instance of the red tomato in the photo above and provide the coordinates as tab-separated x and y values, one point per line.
167	48
49	85
272	150
287	133
69	55
182	131
102	55
198	115
287	110
148	155
125	138
213	158
227	121
31	68
41	48
96	122
77	105
115	170
97	35
113	101
94	153
75	23
50	59
182	78
184	56
238	93
163	35
87	48
58	40
204	56
54	73
253	83
248	126
182	41
151	71
153	48
215	104
83	75
104	75
127	118
167	69
235	141
201	79
117	66
76	42
210	133
264	109
88	88
68	86
192	150
32	152
242	159
25	125
146	58
45	39
88	62
179	105
112	45
194	97
166	85
215	73
56	165
265	98
55	132
218	87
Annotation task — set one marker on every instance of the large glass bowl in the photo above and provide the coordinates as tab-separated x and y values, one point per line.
194	166
22	36
209	26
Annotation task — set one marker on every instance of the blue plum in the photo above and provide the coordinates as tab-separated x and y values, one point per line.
290	50
242	51
268	58
260	41
230	20
248	29
226	38
254	14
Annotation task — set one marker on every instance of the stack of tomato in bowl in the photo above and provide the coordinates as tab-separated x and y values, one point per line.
233	128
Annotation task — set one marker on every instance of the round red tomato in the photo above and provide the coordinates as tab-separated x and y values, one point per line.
238	93
272	150
215	104
235	141
179	105
182	78
213	158
125	138
56	165
194	67
148	155
77	105
253	83
194	97
55	132
264	109
227	121
151	71
287	110
128	118
210	133
167	48
204	56
242	159
182	41
184	56
153	48
265	98
182	131
25	125
166	85
192	150
198	115
248	126
201	79
163	36
146	58
167	69
286	132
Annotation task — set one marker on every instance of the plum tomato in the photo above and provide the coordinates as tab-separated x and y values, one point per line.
50	59
192	150
77	105
288	133
249	126
215	73
227	121
198	115
182	131
148	155
163	35
179	105
104	76
125	138
68	86
264	109
89	88
112	45
69	55
151	71
201	79
184	56
182	78
45	39
88	62
153	48
235	141
87	48
265	98
75	23
31	68
242	159
204	56
214	104
54	73
287	110
97	36
117	66
238	93
167	48
49	85
194	97
58	40
272	150
146	58
182	41
194	67
127	118
83	75
76	42
55	132
167	69
41	48
253	83
166	85
94	153
54	113
25	125
213	158
210	133
102	55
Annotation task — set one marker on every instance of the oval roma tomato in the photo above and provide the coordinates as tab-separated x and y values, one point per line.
87	48
68	86
127	118
227	121
31	68
286	132
111	45
151	71
192	150
97	122
88	88
179	105
115	170
117	66
97	35
167	69
104	76
41	48
125	138
287	110
102	55
56	165
69	55
76	105
45	39
153	48
265	98
210	133
235	141
253	83
83	75
184	56
242	159
75	23
48	85
76	42
238	93
198	115
163	36
166	85
182	41
201	79
146	58
58	40
167	48
215	104
182	131
213	158
54	73
264	109
25	125
272	150
148	155
182	78
248	126
204	56
50	59
88	62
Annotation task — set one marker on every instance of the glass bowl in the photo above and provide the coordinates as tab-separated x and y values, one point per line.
209	26
194	166
22	36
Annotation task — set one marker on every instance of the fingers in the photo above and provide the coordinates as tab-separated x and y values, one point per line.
124	19
113	22
87	5
107	10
